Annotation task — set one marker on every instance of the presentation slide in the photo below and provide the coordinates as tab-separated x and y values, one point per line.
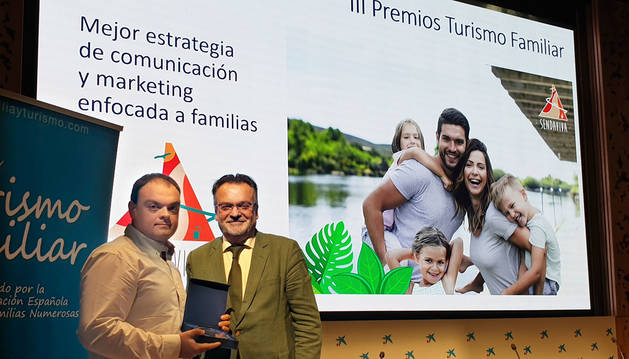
326	105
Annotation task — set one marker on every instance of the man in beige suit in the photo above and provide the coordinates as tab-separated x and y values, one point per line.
273	310
132	297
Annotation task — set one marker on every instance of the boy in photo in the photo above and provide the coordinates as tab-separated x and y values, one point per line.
543	264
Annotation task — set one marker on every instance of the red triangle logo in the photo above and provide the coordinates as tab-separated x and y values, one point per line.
554	109
193	221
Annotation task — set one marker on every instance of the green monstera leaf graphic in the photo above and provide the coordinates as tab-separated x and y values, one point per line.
328	253
370	267
329	258
351	283
396	281
371	279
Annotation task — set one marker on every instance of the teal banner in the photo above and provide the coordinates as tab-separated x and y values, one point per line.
56	176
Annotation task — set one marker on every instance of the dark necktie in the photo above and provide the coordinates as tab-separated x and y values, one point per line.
168	253
235	279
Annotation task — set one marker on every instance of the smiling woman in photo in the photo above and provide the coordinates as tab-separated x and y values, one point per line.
493	238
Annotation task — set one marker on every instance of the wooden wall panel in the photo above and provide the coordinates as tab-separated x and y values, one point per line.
11	20
614	32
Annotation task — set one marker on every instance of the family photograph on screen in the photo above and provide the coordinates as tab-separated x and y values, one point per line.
427	164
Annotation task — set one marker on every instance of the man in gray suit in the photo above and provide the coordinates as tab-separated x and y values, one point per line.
273	310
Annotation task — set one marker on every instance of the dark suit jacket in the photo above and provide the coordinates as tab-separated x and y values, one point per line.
279	317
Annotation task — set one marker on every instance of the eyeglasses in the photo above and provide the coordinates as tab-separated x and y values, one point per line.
242	206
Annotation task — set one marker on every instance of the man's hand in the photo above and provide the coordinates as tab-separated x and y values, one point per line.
225	322
190	348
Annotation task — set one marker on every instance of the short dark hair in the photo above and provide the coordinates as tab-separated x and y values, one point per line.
431	237
452	116
237	178
142	181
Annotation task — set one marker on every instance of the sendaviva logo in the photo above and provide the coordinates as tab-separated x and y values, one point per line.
553	115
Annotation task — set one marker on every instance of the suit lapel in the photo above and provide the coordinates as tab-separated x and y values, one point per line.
259	259
216	267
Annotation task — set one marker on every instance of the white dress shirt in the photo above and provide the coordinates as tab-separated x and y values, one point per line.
132	300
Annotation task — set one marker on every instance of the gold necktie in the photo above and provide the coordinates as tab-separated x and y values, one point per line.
235	280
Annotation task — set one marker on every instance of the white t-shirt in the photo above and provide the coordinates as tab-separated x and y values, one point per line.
543	236
428	203
435	289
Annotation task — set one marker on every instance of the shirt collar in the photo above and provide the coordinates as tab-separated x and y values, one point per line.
249	243
150	246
